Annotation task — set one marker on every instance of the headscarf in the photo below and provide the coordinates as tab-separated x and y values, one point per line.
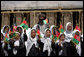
22	36
30	42
22	31
35	26
2	30
68	34
47	43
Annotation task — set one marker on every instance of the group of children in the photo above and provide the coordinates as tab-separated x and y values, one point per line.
41	40
34	42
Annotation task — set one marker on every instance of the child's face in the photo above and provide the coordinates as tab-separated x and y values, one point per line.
69	28
7	29
47	33
33	33
62	37
19	30
17	36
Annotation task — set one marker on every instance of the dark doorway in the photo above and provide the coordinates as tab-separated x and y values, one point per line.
11	21
75	19
59	15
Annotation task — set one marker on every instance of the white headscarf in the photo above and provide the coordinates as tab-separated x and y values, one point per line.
47	43
35	26
2	31
68	34
22	31
78	47
30	42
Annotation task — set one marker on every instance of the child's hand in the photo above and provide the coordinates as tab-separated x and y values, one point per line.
60	42
53	40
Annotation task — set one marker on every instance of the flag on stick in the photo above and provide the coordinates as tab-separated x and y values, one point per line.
61	29
76	39
45	21
24	24
77	28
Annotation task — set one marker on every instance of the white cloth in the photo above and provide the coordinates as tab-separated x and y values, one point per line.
14	51
35	26
22	34
47	44
30	42
78	47
16	43
68	34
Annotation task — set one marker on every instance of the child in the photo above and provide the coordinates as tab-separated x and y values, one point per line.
5	30
32	44
59	46
16	47
68	32
47	43
78	46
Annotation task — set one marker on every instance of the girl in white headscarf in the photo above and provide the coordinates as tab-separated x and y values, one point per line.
37	26
59	46
31	41
68	32
5	30
78	47
47	42
21	31
53	32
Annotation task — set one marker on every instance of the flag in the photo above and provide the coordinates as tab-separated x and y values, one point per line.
24	25
55	38
76	39
45	21
77	28
57	33
38	32
6	38
14	27
12	35
61	29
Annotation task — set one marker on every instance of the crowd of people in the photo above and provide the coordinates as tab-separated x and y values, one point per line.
40	40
